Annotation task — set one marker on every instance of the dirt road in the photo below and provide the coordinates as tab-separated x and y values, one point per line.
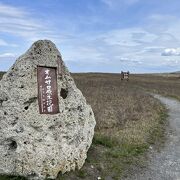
165	165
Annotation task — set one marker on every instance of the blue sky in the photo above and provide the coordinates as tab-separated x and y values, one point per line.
95	35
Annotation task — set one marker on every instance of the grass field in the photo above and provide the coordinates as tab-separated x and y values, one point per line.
165	84
129	120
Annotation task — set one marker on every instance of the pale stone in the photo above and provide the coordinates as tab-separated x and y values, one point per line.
35	145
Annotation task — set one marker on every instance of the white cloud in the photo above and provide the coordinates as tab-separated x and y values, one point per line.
6	10
140	45
108	2
120	47
161	17
128	37
130	47
3	43
18	22
7	55
171	52
83	53
130	2
118	3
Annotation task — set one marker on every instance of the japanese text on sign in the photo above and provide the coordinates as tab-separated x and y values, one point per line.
47	90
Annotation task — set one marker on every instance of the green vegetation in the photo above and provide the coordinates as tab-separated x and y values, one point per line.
105	140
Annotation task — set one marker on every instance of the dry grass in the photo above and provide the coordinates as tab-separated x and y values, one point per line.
165	84
118	104
128	121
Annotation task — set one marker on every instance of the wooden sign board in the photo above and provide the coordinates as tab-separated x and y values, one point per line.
125	75
47	90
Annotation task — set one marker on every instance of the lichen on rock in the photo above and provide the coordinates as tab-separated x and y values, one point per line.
37	145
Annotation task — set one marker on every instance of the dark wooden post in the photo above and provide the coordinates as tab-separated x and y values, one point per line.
122	75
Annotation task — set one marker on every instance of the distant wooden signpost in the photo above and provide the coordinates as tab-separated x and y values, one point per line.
125	75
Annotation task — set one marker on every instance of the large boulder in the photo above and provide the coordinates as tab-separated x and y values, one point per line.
40	145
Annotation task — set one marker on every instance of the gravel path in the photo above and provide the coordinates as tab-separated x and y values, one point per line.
165	165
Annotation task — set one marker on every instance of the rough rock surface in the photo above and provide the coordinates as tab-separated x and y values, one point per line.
37	145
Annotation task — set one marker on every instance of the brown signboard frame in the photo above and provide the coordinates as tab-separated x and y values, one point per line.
47	90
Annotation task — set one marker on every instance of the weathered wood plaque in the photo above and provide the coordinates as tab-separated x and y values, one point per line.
47	90
125	75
